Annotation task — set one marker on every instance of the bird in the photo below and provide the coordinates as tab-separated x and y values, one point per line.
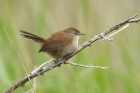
59	44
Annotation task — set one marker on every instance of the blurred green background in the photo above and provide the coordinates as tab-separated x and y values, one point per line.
44	17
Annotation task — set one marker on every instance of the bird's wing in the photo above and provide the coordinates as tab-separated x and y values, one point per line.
56	42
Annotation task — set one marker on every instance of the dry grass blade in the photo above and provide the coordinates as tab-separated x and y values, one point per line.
20	62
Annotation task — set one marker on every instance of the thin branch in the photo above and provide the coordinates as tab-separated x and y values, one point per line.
40	67
64	59
19	60
31	90
118	31
80	65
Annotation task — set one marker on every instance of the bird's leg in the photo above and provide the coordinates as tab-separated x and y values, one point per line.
55	61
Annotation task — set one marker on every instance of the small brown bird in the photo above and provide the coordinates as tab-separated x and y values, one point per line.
59	44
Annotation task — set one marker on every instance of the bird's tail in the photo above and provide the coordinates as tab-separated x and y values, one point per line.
33	37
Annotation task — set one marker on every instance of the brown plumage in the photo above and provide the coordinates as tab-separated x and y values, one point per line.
58	44
33	37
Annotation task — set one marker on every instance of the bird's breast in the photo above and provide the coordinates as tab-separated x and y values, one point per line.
71	47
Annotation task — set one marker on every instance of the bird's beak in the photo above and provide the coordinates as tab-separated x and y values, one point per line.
81	34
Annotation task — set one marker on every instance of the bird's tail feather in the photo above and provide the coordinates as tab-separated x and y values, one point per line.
32	37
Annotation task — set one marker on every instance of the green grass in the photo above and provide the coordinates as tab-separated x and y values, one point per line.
44	17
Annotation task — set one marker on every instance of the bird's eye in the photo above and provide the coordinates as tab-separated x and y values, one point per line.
75	33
